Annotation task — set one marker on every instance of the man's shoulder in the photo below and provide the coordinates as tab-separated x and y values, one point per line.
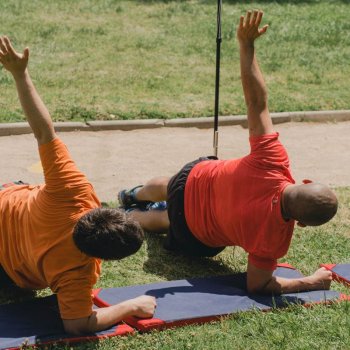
269	152
265	141
75	267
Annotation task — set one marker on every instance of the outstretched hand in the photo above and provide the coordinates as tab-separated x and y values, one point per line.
14	62
248	29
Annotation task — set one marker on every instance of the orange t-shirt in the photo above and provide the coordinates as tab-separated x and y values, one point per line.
36	243
238	202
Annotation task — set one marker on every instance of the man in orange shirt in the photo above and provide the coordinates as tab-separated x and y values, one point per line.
55	235
251	202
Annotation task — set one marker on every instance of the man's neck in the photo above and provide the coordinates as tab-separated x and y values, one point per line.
285	200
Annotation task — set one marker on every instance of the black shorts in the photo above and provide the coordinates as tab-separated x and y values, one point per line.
5	281
179	237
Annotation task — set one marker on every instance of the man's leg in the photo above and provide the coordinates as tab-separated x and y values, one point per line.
155	190
153	220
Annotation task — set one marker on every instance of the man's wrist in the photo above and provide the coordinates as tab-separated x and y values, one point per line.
246	44
129	308
19	75
307	283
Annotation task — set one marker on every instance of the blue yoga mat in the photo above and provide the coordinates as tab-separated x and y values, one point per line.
37	321
204	299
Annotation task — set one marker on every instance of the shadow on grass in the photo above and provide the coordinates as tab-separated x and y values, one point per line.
172	266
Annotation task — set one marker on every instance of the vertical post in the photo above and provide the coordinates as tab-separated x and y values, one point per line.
217	79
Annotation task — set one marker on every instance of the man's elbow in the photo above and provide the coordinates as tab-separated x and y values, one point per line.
74	330
257	105
255	290
43	138
266	288
77	327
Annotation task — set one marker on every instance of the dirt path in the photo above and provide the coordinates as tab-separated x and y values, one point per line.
113	160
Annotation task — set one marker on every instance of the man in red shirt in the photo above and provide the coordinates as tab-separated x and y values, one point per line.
251	202
55	234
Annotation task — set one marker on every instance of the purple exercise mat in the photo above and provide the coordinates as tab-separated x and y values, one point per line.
204	299
37	321
341	272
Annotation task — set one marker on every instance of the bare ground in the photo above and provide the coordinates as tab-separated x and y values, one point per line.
113	160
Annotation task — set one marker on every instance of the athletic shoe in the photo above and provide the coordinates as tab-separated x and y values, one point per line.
127	199
159	206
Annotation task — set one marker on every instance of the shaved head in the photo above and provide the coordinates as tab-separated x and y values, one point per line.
311	204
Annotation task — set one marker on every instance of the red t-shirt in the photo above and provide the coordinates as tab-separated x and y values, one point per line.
238	202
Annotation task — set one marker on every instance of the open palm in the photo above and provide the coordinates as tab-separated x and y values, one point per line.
13	61
248	29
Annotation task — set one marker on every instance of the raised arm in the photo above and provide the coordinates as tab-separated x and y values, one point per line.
34	109
254	88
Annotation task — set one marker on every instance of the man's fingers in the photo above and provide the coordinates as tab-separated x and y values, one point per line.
241	22
26	54
10	49
248	16
1	57
263	29
258	18
254	17
2	46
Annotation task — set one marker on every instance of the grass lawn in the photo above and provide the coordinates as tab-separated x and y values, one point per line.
323	327
117	59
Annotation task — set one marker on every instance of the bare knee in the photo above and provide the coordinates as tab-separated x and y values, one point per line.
153	220
155	190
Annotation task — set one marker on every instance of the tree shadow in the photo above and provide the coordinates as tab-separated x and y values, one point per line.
173	266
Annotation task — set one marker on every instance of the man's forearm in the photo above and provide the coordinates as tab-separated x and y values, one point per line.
103	318
34	109
263	281
99	320
253	83
106	317
279	285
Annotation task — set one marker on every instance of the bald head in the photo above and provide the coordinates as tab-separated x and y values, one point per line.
311	204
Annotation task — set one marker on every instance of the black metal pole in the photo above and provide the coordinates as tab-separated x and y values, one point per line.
217	79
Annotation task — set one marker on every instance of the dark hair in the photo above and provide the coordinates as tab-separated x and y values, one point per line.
107	234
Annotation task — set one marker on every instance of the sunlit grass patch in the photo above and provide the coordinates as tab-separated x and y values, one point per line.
156	59
297	327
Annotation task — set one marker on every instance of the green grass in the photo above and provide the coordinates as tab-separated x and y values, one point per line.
116	59
323	327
